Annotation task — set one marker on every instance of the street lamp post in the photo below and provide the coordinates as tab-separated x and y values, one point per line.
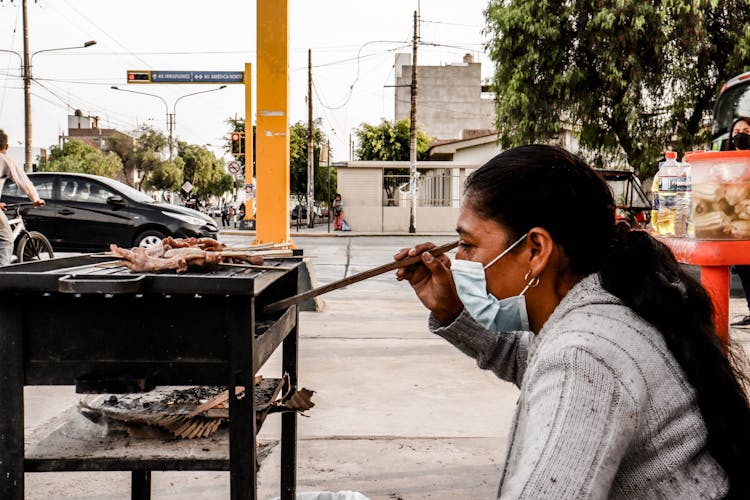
26	64
171	121
166	107
174	112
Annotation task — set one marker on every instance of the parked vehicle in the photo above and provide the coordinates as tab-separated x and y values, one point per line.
631	203
733	101
299	212
85	213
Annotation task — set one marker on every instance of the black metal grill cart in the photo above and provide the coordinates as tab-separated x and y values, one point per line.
82	321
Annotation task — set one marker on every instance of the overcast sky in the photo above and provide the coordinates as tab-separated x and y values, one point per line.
353	44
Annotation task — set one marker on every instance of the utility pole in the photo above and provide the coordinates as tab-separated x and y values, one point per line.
328	168
26	89
413	130
170	129
310	152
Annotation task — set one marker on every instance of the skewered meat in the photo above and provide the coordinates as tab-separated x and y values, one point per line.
194	256
209	244
138	260
179	254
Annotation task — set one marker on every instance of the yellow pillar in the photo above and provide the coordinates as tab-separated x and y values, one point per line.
272	126
248	138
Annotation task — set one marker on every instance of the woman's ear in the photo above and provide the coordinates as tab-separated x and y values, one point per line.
541	247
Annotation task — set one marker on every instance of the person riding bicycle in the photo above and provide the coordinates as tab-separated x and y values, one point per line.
9	168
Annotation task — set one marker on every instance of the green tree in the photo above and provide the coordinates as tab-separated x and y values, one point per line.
167	176
143	157
123	146
204	171
627	75
298	158
298	133
389	141
76	156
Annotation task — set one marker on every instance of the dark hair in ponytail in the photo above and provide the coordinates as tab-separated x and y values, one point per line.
545	186
645	275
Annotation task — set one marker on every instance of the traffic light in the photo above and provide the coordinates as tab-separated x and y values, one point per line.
238	143
139	77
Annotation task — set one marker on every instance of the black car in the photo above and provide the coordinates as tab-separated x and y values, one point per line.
85	213
299	212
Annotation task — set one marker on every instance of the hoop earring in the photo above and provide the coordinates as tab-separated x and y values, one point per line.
530	283
533	282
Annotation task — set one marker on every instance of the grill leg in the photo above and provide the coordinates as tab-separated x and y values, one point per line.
11	400
289	419
241	410
140	488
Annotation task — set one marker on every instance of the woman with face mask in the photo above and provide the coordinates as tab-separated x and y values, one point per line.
626	392
739	134
739	138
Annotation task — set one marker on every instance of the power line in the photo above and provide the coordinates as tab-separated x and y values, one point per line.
452	24
91	104
356	78
105	32
337	48
358	57
12	40
159	53
460	47
79	82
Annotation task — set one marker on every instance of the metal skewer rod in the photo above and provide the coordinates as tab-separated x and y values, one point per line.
255	266
355	278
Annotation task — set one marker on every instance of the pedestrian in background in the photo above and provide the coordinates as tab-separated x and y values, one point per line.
224	214
233	215
338	213
9	169
626	391
739	138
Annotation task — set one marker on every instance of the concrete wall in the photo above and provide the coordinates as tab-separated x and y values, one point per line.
361	191
449	99
432	219
478	154
361	187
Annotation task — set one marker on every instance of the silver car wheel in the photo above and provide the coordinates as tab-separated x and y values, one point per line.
149	241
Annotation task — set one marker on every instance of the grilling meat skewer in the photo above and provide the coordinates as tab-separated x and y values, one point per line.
139	260
179	254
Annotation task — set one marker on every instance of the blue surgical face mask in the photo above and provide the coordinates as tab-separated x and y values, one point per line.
501	315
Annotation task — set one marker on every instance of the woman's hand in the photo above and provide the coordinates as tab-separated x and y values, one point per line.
431	279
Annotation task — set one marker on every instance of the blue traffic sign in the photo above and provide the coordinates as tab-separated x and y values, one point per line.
218	76
197	76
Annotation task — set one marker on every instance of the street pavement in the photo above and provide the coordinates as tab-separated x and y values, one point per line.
399	414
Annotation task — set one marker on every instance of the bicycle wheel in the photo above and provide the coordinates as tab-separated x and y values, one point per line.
34	246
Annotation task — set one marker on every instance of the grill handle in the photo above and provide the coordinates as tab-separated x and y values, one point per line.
71	283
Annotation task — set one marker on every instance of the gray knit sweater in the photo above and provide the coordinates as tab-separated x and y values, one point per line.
605	410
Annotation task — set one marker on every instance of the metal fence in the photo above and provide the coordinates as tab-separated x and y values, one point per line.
435	188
